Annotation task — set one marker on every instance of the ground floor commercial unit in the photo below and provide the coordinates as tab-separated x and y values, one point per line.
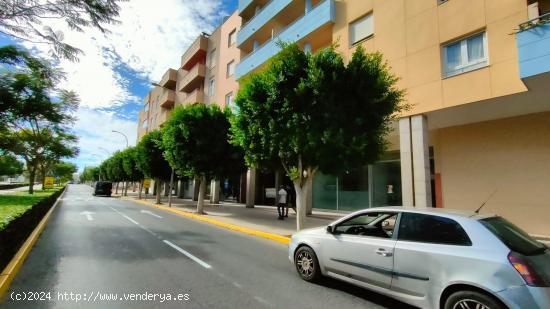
495	152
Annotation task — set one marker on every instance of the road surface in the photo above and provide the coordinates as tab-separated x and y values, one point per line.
95	249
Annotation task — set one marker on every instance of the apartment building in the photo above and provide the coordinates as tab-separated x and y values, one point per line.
206	74
477	130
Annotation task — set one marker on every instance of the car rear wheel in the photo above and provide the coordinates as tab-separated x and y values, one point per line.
472	300
307	264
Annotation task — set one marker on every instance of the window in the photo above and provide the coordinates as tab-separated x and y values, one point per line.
212	58
512	236
231	38
211	87
144	124
229	99
231	68
361	29
465	55
375	224
432	229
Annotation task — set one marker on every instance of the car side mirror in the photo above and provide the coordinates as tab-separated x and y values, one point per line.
330	229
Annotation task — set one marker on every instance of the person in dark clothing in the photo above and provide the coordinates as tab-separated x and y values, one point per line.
282	203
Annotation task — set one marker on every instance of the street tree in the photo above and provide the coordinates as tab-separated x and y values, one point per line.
10	166
314	113
89	174
196	144
27	20
150	160
129	164
64	171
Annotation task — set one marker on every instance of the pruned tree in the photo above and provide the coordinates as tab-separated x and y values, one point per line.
129	164
196	143
27	20
314	113
64	171
150	159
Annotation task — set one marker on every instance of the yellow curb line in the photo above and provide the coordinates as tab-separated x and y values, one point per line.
9	273
274	237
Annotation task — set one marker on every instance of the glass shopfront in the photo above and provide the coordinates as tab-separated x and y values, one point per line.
374	185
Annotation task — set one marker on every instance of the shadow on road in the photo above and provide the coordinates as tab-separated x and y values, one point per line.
365	294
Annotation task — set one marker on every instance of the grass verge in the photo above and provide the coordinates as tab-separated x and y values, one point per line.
14	205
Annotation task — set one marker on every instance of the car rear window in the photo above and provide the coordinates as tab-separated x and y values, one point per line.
512	236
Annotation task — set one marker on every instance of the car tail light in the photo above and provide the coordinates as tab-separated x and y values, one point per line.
526	270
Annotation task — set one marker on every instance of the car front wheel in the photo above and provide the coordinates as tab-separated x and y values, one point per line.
473	300
307	264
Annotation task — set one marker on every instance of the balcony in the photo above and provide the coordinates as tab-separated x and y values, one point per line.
195	53
319	16
193	79
244	4
169	79
163	116
261	18
533	42
197	96
167	98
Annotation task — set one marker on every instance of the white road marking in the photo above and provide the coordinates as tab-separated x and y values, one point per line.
237	285
187	254
150	213
88	215
131	220
261	300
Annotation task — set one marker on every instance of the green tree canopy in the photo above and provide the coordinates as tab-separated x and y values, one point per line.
10	166
150	159
314	113
64	171
196	144
25	20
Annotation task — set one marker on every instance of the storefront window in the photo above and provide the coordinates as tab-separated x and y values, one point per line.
370	186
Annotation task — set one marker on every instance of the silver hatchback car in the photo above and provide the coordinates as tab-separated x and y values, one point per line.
430	258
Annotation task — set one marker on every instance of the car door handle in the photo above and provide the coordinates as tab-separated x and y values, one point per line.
383	252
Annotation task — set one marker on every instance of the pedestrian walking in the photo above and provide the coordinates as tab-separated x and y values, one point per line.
282	203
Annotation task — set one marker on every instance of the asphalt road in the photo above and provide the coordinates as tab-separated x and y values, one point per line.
97	247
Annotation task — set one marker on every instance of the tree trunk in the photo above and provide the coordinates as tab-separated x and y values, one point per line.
301	201
202	191
32	173
116	188
157	188
140	188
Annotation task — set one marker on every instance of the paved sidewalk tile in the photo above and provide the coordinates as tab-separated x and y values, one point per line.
261	218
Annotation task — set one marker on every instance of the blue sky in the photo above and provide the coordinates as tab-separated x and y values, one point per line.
117	69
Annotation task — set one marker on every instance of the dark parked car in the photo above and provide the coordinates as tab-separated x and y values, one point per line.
103	188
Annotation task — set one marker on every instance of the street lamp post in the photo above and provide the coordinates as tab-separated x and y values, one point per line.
126	137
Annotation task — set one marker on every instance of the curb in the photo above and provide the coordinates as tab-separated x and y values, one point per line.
9	273
274	237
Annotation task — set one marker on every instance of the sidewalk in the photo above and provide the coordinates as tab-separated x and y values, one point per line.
24	188
261	218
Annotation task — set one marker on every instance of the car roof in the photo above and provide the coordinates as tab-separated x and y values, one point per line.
446	212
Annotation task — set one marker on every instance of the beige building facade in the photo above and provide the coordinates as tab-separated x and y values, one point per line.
480	106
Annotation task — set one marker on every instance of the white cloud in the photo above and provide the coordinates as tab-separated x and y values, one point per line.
96	137
150	39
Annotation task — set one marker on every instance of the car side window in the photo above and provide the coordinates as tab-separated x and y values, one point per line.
374	224
432	229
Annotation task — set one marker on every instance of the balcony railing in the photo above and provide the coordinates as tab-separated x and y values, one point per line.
193	78
167	98
197	96
169	79
318	16
262	17
196	51
243	4
533	42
